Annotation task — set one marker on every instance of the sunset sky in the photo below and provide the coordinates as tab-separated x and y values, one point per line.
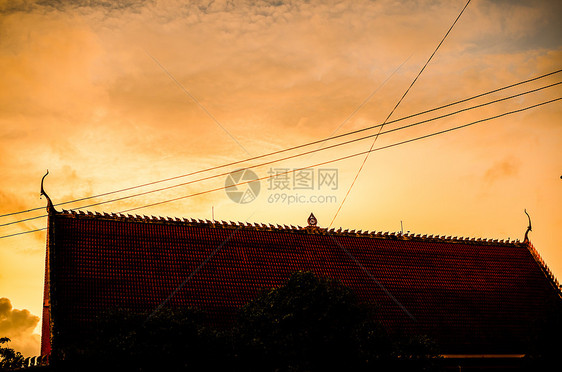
109	95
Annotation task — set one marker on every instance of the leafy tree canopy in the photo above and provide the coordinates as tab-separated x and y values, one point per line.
315	324
9	359
310	323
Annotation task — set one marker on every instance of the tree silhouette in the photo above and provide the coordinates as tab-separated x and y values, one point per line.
9	358
172	339
310	323
316	324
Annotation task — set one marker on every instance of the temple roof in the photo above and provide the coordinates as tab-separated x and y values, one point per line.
470	295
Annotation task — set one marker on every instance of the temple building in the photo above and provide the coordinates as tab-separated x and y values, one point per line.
477	298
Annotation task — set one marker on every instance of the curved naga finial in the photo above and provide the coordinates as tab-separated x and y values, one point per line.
50	207
526	240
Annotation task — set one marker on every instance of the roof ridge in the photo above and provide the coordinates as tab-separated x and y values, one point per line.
544	267
289	228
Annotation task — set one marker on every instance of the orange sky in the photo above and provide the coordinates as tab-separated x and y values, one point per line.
91	92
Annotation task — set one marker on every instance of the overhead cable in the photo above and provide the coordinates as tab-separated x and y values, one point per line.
392	112
290	148
300	154
331	161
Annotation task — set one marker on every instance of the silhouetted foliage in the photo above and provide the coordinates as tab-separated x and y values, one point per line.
171	339
318	324
308	324
9	358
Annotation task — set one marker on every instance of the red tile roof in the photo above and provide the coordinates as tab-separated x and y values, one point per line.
470	295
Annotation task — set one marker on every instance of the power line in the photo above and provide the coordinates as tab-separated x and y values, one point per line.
291	148
304	153
351	156
392	112
365	101
22	233
333	160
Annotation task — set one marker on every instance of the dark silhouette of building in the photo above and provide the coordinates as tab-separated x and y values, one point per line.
475	297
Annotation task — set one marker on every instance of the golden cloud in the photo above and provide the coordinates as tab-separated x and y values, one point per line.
18	326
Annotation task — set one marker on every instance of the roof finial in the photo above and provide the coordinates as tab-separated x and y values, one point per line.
526	240
50	207
312	221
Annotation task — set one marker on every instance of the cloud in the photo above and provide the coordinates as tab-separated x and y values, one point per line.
502	169
18	326
28	6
